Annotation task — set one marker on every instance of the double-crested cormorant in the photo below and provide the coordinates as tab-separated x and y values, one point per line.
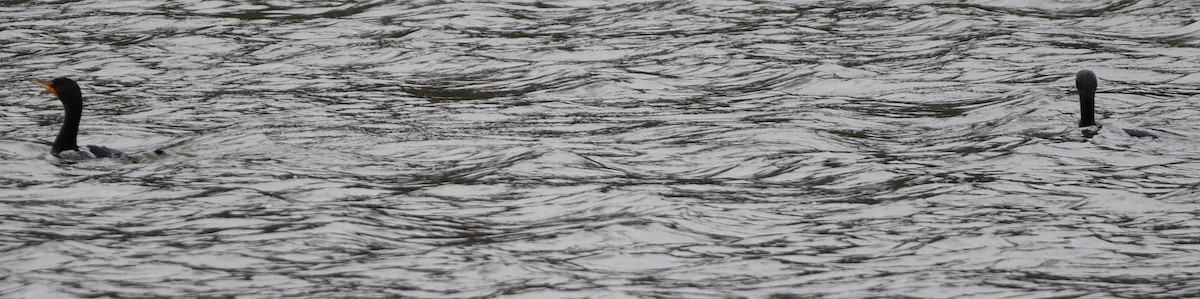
64	145
1086	82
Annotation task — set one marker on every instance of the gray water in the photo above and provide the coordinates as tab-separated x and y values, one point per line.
679	149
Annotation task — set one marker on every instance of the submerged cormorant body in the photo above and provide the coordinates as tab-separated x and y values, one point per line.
1086	83
65	146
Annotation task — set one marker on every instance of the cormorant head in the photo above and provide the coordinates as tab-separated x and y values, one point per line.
63	88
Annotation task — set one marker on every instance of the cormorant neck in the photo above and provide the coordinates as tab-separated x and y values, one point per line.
1087	109
73	109
1085	82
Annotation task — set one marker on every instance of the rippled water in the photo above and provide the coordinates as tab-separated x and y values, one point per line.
602	149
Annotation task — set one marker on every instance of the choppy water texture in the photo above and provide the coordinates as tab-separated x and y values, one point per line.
602	149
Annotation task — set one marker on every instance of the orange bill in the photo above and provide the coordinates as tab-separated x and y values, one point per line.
45	84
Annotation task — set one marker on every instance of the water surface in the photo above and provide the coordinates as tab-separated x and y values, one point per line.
683	149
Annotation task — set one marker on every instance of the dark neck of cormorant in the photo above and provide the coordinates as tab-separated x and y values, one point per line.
70	127
1086	83
1087	108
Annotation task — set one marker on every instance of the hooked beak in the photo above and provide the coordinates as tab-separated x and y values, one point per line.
46	85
